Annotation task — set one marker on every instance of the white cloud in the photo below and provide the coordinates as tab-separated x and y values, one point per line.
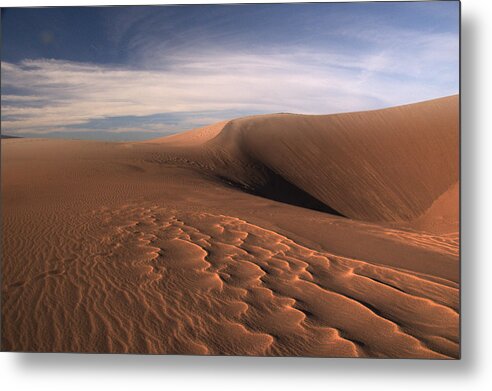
51	95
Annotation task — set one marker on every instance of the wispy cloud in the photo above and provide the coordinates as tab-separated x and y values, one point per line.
69	93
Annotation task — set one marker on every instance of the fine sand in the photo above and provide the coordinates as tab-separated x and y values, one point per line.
284	235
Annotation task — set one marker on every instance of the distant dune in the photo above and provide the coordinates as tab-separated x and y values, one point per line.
333	236
192	137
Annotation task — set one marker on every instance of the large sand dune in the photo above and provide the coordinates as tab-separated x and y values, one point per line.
378	165
269	235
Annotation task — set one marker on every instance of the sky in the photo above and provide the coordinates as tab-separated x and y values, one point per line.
138	72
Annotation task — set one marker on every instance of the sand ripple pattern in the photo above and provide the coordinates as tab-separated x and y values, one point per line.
147	279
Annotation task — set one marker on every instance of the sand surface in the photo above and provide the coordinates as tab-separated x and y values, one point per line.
332	236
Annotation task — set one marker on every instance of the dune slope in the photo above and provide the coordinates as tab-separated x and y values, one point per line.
443	215
383	165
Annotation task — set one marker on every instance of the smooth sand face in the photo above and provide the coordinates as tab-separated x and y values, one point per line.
233	241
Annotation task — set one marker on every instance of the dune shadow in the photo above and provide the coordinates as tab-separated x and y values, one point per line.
279	189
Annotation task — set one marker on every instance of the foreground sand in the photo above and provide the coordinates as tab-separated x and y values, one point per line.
269	235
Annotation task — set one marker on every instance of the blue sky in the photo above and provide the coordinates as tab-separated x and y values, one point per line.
121	73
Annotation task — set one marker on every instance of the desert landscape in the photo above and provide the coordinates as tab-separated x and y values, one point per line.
269	235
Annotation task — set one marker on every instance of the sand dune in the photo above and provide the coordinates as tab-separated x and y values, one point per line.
382	165
331	236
